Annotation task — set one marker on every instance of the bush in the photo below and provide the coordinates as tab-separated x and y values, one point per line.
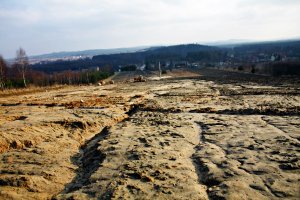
129	68
18	83
285	68
241	68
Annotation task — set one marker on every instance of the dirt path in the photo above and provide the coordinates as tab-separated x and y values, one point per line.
202	137
144	157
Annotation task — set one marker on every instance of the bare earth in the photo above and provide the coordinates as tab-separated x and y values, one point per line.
202	134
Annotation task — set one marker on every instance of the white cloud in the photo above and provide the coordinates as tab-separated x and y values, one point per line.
54	25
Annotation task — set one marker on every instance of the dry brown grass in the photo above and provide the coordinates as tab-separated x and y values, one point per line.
28	90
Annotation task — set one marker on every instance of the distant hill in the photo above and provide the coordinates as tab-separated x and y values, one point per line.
289	47
86	53
229	43
175	53
139	56
188	52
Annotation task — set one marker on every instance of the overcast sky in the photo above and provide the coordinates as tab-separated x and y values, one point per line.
44	26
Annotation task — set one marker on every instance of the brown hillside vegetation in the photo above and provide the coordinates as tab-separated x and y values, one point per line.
204	134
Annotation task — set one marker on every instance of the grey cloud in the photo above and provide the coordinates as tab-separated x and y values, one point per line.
53	25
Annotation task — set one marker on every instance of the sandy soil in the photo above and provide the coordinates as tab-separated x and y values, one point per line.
202	134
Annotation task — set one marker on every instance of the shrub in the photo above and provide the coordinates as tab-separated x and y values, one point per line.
240	68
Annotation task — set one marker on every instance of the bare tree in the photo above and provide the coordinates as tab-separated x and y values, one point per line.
22	64
3	71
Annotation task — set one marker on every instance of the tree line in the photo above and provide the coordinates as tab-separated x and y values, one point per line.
20	74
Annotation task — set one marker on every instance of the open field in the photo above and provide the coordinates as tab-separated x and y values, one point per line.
202	134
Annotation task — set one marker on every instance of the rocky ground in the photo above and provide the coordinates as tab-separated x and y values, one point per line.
202	134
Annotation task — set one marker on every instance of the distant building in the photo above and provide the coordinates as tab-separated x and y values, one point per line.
142	68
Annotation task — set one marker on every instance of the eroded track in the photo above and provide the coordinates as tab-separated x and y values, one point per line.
183	138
